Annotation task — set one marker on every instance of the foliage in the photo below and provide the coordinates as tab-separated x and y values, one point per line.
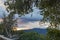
50	11
22	35
19	6
53	34
29	36
15	7
1	28
17	32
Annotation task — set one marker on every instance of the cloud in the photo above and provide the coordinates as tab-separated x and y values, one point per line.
34	24
35	15
31	25
2	8
2	4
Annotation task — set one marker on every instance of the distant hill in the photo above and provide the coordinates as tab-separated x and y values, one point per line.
38	30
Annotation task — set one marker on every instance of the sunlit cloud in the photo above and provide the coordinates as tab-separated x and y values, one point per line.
31	25
23	28
2	4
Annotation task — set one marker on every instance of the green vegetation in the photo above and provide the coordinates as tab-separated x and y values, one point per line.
18	32
1	28
50	10
20	7
53	34
29	36
21	35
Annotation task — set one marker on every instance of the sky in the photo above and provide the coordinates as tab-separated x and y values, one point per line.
2	8
26	22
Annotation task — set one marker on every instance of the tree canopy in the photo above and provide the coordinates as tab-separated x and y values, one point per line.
29	36
19	6
50	11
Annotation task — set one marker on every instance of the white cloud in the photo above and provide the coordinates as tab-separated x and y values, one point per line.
2	4
35	24
2	8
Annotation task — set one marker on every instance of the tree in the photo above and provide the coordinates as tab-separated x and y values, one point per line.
20	7
1	28
29	36
53	34
50	11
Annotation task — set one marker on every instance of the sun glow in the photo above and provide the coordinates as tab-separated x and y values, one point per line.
31	26
23	28
17	28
